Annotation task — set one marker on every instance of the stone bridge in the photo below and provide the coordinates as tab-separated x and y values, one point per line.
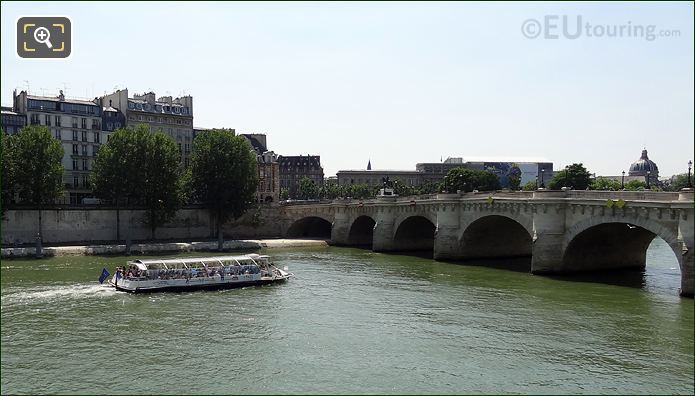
562	231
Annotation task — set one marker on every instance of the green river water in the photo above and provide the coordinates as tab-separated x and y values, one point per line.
352	321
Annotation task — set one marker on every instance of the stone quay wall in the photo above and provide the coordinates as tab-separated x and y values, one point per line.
98	225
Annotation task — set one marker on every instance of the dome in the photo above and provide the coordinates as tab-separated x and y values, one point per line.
642	165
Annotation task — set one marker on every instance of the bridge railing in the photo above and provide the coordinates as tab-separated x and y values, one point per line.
625	195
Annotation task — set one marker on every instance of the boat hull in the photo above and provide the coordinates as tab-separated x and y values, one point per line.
195	287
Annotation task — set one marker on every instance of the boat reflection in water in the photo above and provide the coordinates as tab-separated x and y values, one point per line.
219	272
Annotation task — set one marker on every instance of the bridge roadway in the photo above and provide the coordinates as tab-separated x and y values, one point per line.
562	231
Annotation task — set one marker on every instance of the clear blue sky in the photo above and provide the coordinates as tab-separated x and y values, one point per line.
399	83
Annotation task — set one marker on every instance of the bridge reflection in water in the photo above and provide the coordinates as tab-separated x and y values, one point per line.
563	232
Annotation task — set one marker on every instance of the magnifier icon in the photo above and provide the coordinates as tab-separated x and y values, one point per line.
43	36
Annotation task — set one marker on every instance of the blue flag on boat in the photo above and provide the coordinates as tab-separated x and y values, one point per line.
104	274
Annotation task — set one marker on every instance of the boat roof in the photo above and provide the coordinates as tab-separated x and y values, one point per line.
144	264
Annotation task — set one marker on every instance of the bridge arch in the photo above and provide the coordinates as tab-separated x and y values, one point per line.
414	233
361	231
614	243
310	227
495	236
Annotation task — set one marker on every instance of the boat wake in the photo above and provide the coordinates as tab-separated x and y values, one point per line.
49	294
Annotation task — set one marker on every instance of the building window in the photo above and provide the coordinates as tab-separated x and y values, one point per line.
75	181
58	134
96	124
95	150
139	118
85	182
48	120
109	126
74	164
57	119
35	119
74	123
118	125
84	123
84	149
84	165
74	135
97	137
74	149
84	136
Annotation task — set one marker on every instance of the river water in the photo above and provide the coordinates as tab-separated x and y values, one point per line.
352	321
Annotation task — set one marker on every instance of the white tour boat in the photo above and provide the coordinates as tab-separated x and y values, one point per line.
217	272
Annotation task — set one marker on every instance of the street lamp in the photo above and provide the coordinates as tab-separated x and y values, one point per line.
690	165
648	177
542	178
622	182
446	189
536	182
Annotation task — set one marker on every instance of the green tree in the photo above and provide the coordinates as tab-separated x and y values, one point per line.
574	176
223	175
403	189
429	188
471	179
284	194
307	189
37	163
8	174
635	185
529	186
604	184
514	178
163	189
116	170
681	181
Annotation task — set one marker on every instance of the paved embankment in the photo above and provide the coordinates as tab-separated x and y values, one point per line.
148	248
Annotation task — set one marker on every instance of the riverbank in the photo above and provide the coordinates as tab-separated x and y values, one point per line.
164	247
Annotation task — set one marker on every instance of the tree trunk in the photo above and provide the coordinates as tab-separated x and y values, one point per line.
152	225
118	222
39	239
127	235
220	238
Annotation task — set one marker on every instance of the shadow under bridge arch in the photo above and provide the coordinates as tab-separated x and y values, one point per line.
310	227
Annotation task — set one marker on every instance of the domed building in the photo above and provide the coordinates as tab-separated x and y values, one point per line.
645	167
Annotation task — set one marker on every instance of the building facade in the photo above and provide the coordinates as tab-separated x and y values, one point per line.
376	177
295	167
268	190
529	171
77	124
12	122
171	116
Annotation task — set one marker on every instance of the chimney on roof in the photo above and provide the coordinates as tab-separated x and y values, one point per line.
61	97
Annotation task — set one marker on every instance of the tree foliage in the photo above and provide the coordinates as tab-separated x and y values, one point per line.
307	189
471	179
37	162
141	168
573	176
223	173
605	184
635	185
8	174
529	186
514	178
681	181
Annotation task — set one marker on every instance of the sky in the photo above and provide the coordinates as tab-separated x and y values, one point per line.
394	83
